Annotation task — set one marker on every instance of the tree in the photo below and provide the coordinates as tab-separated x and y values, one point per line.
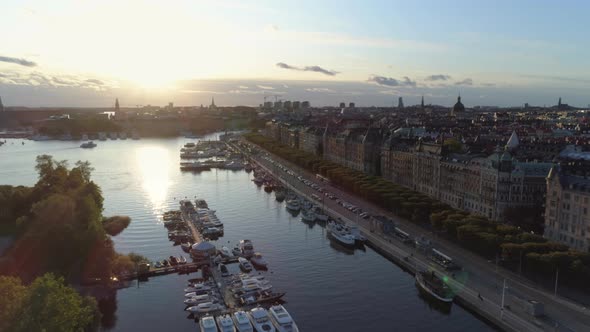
12	297
49	305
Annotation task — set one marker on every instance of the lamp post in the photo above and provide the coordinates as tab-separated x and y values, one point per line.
556	279
503	296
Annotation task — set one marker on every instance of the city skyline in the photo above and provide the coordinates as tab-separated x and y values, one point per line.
503	54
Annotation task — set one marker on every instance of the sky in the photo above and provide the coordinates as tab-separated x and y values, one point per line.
87	53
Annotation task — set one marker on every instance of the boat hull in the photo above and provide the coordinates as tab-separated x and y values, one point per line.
423	287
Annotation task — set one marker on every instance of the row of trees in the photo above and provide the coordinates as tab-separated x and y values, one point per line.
514	246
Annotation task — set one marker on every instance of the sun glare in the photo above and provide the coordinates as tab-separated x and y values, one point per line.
154	165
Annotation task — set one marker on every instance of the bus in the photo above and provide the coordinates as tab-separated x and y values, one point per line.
402	235
322	178
443	260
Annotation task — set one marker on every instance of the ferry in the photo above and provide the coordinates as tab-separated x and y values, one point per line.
434	285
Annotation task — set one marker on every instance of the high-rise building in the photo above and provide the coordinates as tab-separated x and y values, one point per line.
342	105
1	105
296	105
305	104
422	102
116	106
351	105
400	102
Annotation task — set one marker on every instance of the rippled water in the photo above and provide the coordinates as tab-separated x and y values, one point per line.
328	288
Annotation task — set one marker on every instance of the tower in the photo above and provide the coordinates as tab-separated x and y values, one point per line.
212	102
400	103
116	105
559	103
1	105
422	102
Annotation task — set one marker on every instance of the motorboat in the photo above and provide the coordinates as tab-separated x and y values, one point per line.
181	260
320	215
260	320
245	264
203	308
197	287
280	195
337	232
173	260
281	319
258	180
88	145
207	324
260	297
242	322
225	252
434	285
186	246
225	323
356	233
258	260
198	299
201	204
293	205
158	265
246	248
224	271
308	216
196	293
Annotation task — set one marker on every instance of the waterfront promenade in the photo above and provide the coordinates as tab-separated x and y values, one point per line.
479	286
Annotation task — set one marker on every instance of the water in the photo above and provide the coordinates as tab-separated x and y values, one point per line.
328	288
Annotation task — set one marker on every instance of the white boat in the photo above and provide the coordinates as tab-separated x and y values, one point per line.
435	286
260	319
282	320
293	205
356	233
196	288
203	308
320	215
207	324
225	252
198	299
244	264
337	232
181	260
307	216
186	246
246	248
242	322
88	145
258	260
225	323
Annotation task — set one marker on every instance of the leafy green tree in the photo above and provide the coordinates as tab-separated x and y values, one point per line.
12	297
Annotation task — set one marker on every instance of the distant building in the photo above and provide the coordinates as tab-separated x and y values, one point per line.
459	108
305	104
400	102
1	105
296	105
351	105
342	105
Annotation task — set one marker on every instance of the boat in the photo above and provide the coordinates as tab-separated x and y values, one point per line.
158	265
197	287
281	319
173	260
337	232
268	186
198	299
196	293
245	264
434	285
248	168
259	181
260	297
356	233
260	320
225	323
207	324
186	246
320	215
280	194
293	205
246	248
225	252
307	216
181	260
258	260
88	145
201	203
242	322
203	308
224	271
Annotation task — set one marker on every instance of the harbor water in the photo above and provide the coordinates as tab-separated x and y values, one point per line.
329	288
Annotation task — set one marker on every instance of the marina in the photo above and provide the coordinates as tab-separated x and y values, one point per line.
303	262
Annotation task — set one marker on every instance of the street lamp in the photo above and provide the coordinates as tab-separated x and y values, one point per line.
503	296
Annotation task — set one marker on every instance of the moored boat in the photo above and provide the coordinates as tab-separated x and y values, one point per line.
245	264
293	205
242	322
258	261
282	320
434	285
337	232
260	319
225	323
207	324
308	216
88	145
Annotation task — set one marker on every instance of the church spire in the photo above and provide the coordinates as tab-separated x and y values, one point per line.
116	104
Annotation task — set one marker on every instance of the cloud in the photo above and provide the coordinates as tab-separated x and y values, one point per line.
316	69
243	87
439	77
22	62
466	81
319	90
265	87
202	91
94	81
390	81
